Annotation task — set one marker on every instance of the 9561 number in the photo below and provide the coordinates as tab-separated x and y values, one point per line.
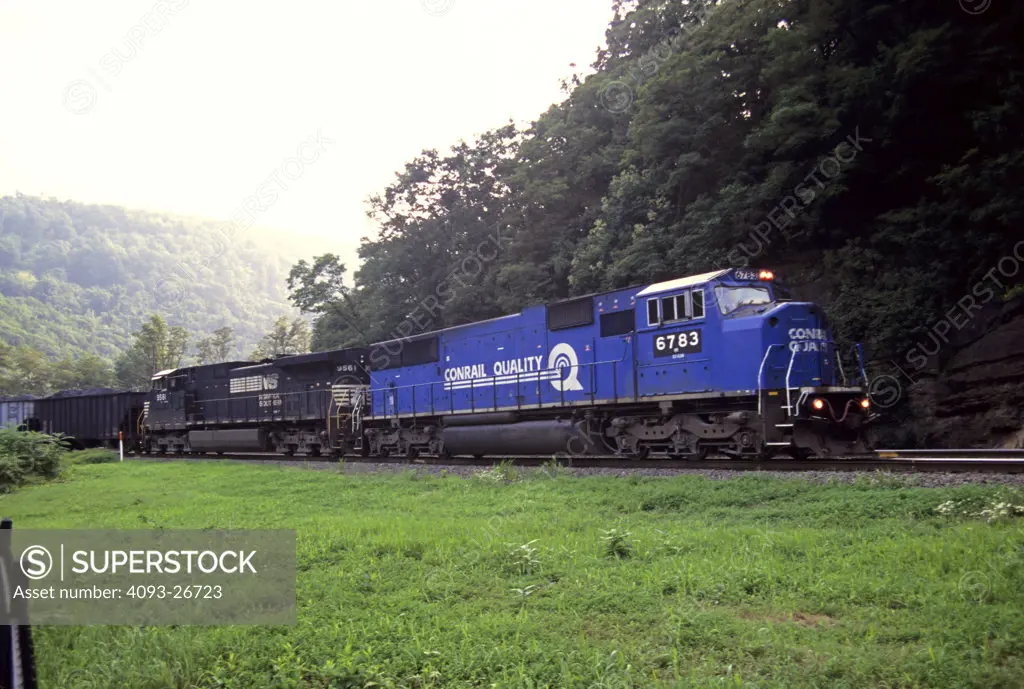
685	342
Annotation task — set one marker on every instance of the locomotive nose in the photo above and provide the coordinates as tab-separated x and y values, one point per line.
801	331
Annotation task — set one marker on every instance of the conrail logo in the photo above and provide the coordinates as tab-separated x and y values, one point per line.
562	371
562	356
807	339
37	562
807	334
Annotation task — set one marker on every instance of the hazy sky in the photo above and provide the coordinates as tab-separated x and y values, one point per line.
190	105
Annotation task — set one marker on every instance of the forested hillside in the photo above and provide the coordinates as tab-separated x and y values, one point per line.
77	278
869	150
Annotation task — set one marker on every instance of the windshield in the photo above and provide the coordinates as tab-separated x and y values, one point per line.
732	299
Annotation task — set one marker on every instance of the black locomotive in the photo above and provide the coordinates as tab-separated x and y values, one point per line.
305	404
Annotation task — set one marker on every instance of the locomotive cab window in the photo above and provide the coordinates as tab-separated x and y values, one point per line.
653	312
735	299
697	303
668	309
679	307
676	306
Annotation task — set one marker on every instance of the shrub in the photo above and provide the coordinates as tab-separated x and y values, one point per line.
24	454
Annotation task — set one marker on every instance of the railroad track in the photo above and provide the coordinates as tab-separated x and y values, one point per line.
950	461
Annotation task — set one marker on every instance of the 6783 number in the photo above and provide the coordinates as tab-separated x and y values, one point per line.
685	342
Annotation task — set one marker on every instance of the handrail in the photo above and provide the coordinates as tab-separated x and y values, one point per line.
790	412
470	386
839	360
789	371
760	375
489	381
294	404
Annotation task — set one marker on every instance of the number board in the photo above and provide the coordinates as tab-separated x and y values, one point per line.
746	274
685	342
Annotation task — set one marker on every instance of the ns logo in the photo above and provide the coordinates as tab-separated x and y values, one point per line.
563	356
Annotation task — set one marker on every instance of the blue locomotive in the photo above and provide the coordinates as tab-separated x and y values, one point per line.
722	362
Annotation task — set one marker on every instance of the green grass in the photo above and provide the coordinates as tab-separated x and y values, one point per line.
556	581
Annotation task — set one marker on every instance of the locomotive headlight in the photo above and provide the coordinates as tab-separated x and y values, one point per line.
818	404
865	403
766	275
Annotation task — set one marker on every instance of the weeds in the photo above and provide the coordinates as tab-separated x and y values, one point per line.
526	591
616	543
522	558
506	472
994	510
94	456
553	469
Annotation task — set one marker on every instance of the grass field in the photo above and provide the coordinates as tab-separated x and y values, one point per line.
555	581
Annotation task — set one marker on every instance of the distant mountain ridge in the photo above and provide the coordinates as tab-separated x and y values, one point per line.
79	278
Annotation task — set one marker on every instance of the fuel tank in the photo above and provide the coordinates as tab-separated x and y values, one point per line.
523	438
487	419
230	440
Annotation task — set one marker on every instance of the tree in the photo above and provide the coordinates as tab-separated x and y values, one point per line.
286	337
320	288
24	371
315	288
217	347
156	347
87	371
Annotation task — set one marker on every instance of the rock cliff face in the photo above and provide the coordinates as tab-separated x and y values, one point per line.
970	394
979	393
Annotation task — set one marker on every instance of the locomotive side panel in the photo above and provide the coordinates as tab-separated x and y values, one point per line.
677	341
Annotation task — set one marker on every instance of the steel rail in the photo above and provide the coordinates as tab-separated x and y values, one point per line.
917	463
